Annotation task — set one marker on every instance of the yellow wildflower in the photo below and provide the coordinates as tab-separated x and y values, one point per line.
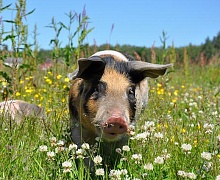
48	111
66	112
36	96
4	83
158	126
59	76
165	125
174	100
67	79
29	90
160	91
159	85
17	94
195	143
175	92
183	130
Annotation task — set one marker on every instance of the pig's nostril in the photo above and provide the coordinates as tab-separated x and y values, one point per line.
109	125
121	127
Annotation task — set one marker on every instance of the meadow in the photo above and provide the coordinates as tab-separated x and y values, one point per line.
176	137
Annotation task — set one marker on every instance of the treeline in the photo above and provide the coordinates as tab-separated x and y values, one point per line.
206	53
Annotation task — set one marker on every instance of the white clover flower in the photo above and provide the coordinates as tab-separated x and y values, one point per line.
199	97
141	136
159	160
100	172
137	157
80	153
186	147
186	174
50	154
124	159
193	115
200	112
67	166
97	159
191	175
158	135
98	139
59	149
131	127
60	143
144	175
218	138
214	113
217	177
166	156
124	171
206	155
207	166
115	174
43	148
53	141
208	128
181	173
149	125
126	148
193	104
149	166
72	147
85	146
118	150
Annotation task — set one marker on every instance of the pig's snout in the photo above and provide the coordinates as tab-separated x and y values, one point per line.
114	126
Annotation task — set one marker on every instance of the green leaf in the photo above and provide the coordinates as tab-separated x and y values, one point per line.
29	12
6	7
6	76
9	21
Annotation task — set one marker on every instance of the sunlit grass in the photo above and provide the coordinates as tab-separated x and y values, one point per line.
177	136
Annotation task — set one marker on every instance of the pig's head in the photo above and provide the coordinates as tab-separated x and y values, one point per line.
108	93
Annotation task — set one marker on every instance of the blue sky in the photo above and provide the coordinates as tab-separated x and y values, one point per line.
136	22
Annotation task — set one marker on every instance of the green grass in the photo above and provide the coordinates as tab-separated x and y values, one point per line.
181	110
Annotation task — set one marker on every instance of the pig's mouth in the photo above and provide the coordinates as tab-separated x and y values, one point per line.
112	132
112	136
113	128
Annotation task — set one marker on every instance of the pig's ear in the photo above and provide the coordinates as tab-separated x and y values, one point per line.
89	68
140	70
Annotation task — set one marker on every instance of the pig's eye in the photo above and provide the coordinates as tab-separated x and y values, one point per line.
131	93
95	94
98	91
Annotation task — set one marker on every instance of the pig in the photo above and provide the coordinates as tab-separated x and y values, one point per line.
108	93
17	110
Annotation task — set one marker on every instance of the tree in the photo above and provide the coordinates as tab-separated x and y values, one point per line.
208	49
216	42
